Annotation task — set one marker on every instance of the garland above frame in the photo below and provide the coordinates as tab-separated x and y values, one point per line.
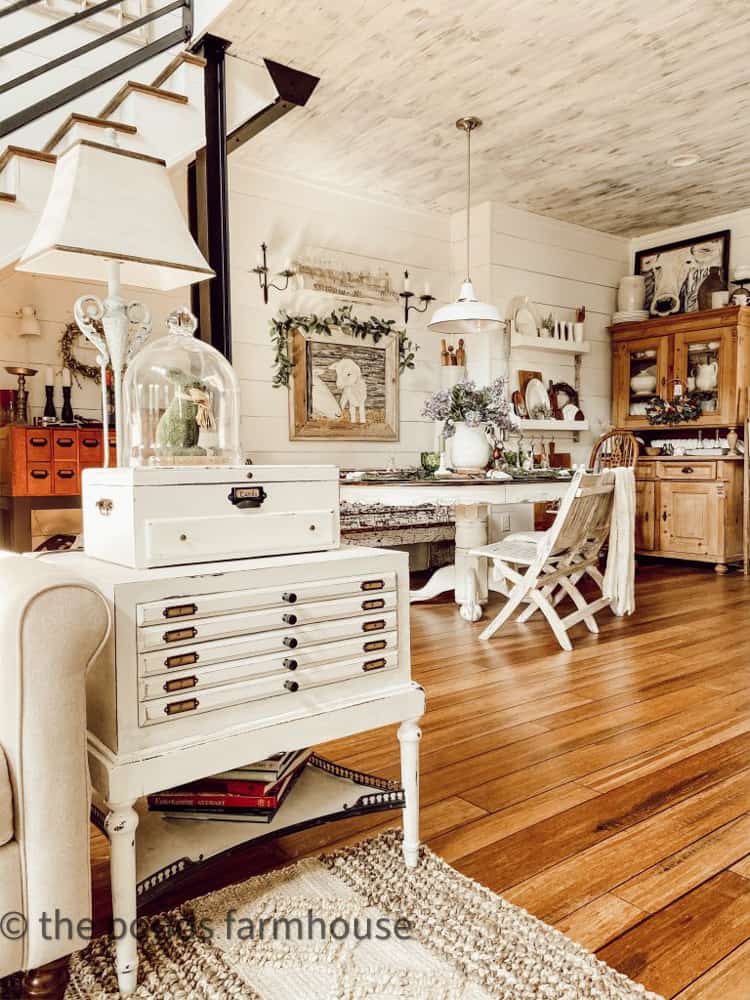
338	319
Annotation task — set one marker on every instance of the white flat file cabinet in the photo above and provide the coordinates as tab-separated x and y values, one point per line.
209	667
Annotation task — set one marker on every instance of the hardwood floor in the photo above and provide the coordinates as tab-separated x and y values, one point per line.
606	790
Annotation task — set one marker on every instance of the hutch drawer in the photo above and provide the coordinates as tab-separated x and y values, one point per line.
65	479
38	445
39	478
65	445
687	470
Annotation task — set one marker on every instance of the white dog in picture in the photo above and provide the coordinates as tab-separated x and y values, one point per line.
353	388
324	403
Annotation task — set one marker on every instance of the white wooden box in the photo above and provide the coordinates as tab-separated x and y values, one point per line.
143	518
226	646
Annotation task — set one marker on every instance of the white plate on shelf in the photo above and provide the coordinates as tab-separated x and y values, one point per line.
535	395
524	315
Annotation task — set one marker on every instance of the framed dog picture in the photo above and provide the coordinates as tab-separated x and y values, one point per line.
343	389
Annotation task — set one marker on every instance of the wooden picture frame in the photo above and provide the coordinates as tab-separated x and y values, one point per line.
343	388
684	266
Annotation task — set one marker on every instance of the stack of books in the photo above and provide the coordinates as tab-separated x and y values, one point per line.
251	794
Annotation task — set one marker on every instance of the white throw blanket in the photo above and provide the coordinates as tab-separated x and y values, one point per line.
619	578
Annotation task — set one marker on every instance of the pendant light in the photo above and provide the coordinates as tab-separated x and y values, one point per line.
467	314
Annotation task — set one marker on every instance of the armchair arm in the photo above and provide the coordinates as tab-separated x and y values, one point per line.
51	626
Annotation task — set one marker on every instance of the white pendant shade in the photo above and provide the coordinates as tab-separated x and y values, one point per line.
108	204
467	315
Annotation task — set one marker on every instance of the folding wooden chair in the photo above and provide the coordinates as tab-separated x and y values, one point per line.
555	560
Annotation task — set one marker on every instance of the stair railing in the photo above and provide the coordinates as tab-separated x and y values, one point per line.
153	46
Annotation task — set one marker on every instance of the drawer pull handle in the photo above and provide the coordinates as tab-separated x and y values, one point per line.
290	598
90	442
104	507
289	619
374	626
39	473
372	584
290	641
180	634
178	707
374	664
687	470
373	604
38	442
64	442
290	664
65	473
291	685
180	610
247	497
181	660
180	684
370	647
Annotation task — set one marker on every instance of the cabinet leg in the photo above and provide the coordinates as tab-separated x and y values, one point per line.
409	735
721	568
121	824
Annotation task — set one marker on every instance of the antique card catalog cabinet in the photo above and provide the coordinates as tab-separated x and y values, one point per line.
216	665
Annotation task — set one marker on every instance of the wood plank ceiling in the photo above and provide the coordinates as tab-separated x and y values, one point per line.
584	102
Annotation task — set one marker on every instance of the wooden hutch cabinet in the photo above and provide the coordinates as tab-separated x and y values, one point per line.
687	507
707	350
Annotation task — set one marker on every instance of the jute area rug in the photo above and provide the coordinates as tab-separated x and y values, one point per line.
457	940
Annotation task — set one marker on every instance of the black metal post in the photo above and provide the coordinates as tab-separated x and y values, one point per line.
217	195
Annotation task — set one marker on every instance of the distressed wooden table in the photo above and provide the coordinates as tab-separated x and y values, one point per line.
471	500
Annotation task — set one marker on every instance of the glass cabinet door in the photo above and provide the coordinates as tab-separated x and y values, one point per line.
704	365
642	369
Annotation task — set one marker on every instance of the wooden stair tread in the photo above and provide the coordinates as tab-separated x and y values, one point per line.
30	154
78	119
141	88
179	60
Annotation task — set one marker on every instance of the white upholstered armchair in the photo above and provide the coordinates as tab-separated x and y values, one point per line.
50	627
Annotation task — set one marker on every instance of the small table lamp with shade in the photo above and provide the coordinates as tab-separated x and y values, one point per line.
112	216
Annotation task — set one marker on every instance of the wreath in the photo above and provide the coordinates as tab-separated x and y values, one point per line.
338	319
77	368
673	411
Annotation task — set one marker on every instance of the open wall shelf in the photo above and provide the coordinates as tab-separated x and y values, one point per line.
550	344
554	425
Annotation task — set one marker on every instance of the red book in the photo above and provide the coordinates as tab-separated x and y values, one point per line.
229	803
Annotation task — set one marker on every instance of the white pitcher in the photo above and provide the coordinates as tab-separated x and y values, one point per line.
706	376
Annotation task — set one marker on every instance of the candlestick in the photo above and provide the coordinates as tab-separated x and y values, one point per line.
407	282
67	409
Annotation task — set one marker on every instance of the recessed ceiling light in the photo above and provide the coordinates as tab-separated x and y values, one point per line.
683	160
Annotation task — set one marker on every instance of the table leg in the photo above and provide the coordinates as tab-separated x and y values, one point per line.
409	735
471	573
120	826
441	580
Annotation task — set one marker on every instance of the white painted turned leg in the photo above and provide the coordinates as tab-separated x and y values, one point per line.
442	579
409	735
471	609
120	825
471	533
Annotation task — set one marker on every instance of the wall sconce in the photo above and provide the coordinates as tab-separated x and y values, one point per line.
425	298
29	325
261	269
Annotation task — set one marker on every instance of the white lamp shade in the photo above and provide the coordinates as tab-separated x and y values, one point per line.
29	325
109	204
467	315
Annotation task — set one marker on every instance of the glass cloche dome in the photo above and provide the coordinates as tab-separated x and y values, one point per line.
181	401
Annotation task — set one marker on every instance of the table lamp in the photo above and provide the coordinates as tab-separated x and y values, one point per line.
111	215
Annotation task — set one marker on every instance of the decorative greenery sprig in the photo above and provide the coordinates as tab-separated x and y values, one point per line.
78	369
674	411
338	319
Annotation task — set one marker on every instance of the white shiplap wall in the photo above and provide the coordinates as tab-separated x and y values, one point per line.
291	216
559	266
54	300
